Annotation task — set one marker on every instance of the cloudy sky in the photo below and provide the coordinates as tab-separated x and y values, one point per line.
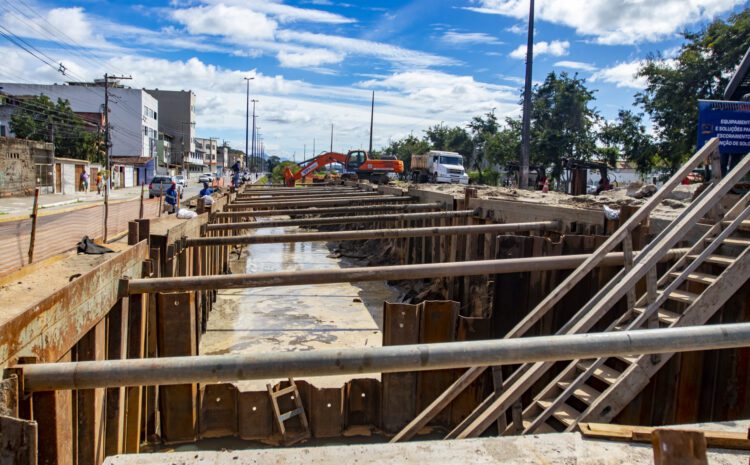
316	62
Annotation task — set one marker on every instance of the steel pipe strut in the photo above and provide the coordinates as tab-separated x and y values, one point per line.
496	228
340	220
306	197
371	273
315	203
319	211
390	359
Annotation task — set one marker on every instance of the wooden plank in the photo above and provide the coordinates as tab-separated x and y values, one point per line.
736	440
176	330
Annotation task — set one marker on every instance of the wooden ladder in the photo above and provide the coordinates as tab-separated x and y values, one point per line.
496	405
299	411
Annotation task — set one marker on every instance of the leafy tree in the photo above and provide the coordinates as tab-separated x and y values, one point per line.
454	139
504	146
626	139
38	118
562	121
272	161
701	70
482	129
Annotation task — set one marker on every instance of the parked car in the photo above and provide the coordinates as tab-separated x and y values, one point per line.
160	184
181	181
206	177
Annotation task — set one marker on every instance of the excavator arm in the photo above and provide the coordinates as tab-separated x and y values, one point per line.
311	165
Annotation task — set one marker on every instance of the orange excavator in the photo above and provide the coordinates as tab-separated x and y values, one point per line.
357	165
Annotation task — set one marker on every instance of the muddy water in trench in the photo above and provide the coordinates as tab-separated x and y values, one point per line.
295	318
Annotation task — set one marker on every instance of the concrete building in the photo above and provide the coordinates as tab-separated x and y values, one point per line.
207	148
25	164
177	119
222	158
133	112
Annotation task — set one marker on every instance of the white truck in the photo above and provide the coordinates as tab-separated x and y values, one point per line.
437	166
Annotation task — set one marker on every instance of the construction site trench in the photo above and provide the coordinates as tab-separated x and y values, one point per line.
360	283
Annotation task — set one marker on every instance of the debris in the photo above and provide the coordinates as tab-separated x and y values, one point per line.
611	214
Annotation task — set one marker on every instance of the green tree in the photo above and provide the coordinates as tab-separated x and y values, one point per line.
562	121
701	70
272	161
451	139
482	129
626	139
38	118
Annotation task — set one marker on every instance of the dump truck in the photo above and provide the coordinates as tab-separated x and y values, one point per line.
438	166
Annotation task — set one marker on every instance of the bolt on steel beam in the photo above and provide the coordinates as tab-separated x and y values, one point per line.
494	228
372	273
339	220
389	359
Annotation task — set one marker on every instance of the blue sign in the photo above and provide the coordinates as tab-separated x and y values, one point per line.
729	121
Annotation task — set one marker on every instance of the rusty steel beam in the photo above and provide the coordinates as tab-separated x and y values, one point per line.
328	210
315	203
300	192
390	359
340	220
373	273
305	197
357	235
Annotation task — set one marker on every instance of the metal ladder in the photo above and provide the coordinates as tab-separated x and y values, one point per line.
573	386
597	390
299	411
521	379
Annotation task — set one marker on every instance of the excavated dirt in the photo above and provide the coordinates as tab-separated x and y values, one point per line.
614	198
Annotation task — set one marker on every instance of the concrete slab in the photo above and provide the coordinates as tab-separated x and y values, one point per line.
295	318
564	448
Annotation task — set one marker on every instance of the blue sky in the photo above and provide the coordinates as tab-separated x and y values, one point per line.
315	62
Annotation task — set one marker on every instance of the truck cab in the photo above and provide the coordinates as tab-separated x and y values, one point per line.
439	166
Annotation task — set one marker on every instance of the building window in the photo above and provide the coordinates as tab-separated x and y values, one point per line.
2	130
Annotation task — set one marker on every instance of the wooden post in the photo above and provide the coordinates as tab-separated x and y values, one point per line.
132	232
33	224
108	180
672	447
140	210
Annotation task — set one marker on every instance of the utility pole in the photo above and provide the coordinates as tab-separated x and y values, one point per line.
314	152
256	146
247	120
331	137
372	118
108	147
252	157
526	124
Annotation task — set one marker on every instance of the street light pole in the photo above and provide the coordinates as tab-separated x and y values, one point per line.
252	157
247	118
526	124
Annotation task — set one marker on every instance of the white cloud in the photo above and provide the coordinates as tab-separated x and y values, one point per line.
615	21
464	38
309	58
577	65
362	47
556	48
287	13
622	75
519	29
230	21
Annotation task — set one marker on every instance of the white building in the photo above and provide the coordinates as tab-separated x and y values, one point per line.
133	113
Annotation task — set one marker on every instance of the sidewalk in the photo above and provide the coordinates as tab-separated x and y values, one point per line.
22	206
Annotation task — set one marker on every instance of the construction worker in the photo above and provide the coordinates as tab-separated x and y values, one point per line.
170	198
